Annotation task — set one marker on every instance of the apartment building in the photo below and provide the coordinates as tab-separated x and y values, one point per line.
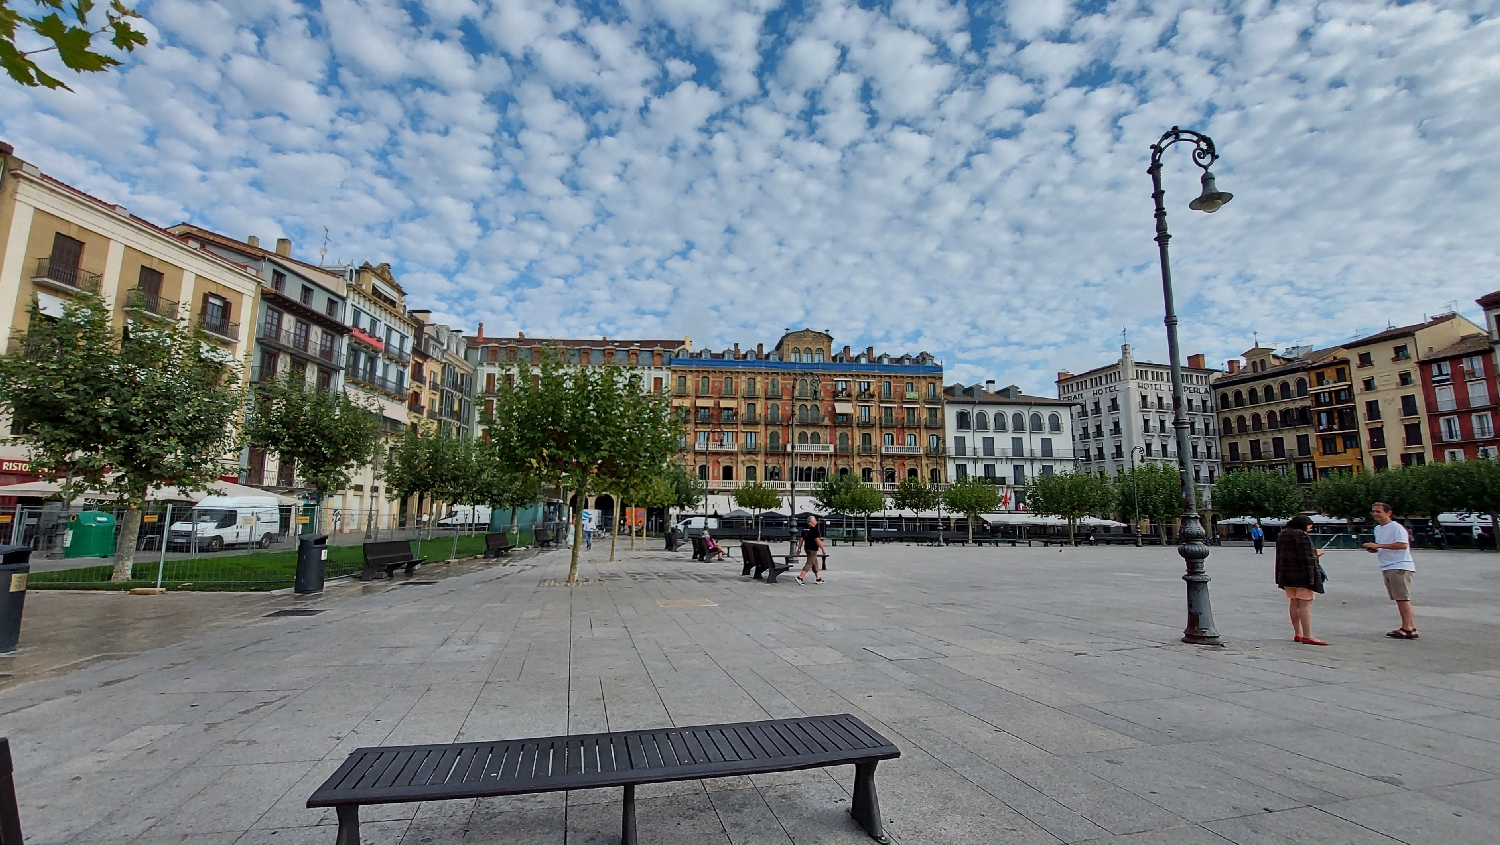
442	377
1006	437
57	242
1266	409
807	408
1388	387
1123	416
1460	391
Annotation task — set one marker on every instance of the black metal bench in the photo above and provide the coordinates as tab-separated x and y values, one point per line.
759	562
543	537
389	555
10	813
496	543
439	772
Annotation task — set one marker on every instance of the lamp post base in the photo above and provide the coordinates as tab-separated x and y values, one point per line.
1200	622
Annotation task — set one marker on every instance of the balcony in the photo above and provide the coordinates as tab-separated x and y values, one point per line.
751	448
703	446
150	304
219	327
864	423
751	419
369	340
900	450
61	277
398	354
867	450
416	408
932	422
844	448
369	379
936	450
815	448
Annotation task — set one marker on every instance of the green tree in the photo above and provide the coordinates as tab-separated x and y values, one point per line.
971	497
124	413
325	434
1159	487
688	490
863	499
1257	493
1479	486
1344	495
1070	495
830	493
757	497
644	444
916	495
407	471
69	27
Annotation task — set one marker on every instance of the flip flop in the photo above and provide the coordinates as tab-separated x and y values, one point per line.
1402	634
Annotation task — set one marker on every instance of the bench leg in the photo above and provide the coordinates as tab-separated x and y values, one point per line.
627	818
348	824
866	809
411	569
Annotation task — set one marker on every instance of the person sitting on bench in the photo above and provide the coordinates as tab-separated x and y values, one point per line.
714	551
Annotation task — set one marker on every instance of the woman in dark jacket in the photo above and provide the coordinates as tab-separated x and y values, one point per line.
1298	573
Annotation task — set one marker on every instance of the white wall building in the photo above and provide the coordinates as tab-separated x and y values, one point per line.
1006	436
1124	416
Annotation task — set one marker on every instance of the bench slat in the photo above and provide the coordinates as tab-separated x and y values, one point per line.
497	760
353	769
832	737
377	768
413	765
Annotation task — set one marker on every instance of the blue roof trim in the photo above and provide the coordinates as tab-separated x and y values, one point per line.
806	367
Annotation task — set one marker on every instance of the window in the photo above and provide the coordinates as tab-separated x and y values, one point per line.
1366	359
1255	424
1017	447
1255	453
1301	387
1239	425
960	471
1400	353
1018	422
1286	390
867	475
1114	404
933	442
1146	424
1372	409
1409	405
864	415
1330	445
1474	367
728	387
1443	393
987	444
1413	459
864	440
887	416
1413	434
885	390
1254	397
1382	462
1035	422
1479	393
773	442
1239	399
278	281
1453	456
331	308
307	295
1376	437
1278	447
149	283
1018	474
1450	429
1441	372
1368	384
981	422
1484	427
1404	379
911	440
999	422
1046	447
1304	445
962	424
960	445
889	439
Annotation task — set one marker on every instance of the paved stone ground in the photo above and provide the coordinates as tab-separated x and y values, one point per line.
1038	696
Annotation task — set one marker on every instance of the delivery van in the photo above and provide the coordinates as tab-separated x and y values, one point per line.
220	521
466	516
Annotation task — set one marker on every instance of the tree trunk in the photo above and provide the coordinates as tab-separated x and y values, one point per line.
581	495
1163	526
968	518
614	530
1072	535
630	525
130	529
1494	530
513	530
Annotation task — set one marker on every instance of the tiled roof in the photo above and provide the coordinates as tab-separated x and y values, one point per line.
1400	331
602	343
1469	344
185	229
1311	359
956	393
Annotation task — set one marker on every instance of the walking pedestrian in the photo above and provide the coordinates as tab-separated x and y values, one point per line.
1392	547
588	535
1299	575
1258	535
810	543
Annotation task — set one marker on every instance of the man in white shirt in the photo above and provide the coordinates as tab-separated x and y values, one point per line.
1392	547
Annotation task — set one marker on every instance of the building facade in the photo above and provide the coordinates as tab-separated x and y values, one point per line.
805	408
442	377
1006	437
1266	411
1124	416
1460	391
1388	388
298	330
57	242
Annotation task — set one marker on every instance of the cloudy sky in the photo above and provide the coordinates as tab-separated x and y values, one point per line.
968	179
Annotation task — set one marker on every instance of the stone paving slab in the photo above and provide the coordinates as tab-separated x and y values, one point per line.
1038	696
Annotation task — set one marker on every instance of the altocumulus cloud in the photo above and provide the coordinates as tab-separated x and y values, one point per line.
963	178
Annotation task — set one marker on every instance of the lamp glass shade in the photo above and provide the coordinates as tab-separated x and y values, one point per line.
1211	198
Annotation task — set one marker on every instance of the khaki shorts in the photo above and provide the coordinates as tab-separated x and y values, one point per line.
1398	583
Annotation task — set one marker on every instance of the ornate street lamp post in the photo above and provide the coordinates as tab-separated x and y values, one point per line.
1200	622
1135	483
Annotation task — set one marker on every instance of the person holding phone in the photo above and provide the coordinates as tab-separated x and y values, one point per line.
1299	575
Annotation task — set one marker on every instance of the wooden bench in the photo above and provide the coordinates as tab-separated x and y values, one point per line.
759	562
543	537
10	813
389	555
497	543
439	772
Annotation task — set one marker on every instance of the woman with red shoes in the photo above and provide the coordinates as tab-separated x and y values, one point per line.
1299	575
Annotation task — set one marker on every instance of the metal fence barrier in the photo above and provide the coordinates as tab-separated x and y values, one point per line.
183	547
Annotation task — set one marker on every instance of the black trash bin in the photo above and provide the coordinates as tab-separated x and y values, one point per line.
312	560
15	567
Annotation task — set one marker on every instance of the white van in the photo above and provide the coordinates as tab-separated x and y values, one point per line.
220	521
465	516
696	524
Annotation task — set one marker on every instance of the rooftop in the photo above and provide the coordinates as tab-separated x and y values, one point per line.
1400	331
1010	395
1469	344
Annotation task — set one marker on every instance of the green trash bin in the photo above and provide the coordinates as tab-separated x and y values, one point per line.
90	534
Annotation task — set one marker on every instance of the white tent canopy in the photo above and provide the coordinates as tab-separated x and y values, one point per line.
43	489
1037	519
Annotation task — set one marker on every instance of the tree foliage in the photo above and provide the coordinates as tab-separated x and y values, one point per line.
829	494
1159	488
1070	495
69	28
971	497
756	497
1257	493
124	413
688	490
916	495
326	433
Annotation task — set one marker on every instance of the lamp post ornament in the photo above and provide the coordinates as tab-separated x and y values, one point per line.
1200	618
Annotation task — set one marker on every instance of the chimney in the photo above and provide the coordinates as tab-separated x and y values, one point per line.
847	356
989	385
736	352
284	247
253	241
521	335
481	331
1197	362
869	353
1234	366
1063	375
760	350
